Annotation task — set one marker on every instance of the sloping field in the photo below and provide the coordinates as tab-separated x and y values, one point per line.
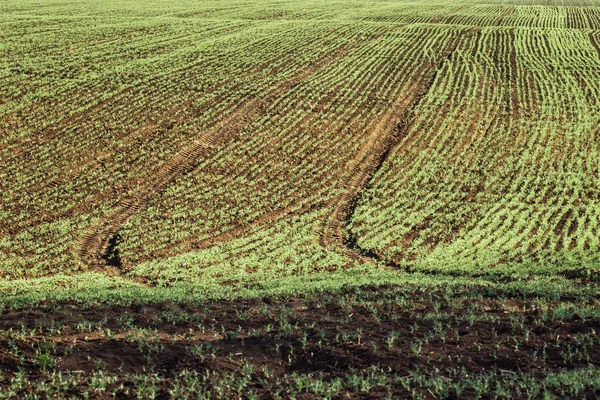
158	155
499	171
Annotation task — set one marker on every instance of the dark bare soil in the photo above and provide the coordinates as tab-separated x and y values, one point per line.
399	338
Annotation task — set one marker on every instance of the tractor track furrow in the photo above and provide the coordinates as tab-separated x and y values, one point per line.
92	248
95	250
385	134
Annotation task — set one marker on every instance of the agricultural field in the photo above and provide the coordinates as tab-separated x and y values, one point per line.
310	199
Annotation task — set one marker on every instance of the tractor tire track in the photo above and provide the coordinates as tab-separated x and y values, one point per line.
387	132
96	248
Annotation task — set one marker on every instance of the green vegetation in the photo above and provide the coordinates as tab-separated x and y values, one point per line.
499	172
414	340
300	199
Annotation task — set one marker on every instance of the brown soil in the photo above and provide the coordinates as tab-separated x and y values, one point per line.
336	335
